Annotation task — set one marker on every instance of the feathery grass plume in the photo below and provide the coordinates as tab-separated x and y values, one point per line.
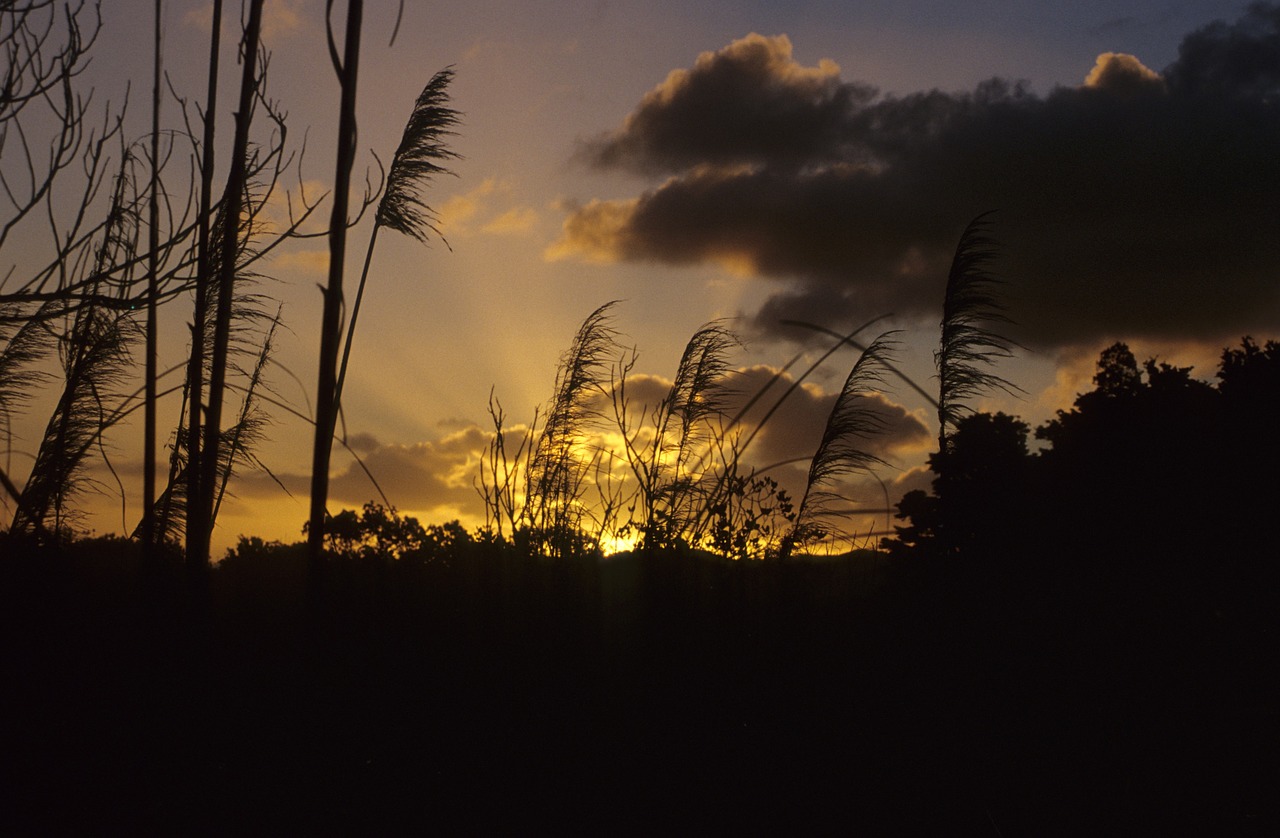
238	443
24	341
719	495
95	361
968	345
244	339
556	472
682	428
250	427
840	452
420	156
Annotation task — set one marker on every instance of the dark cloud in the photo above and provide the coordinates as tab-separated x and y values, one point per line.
1238	61
1136	204
748	103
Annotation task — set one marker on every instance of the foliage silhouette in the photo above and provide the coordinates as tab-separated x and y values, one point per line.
1150	465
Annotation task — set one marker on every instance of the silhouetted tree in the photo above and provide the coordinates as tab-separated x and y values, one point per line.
1134	462
981	505
1249	459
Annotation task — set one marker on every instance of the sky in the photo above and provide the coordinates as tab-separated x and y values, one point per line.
754	161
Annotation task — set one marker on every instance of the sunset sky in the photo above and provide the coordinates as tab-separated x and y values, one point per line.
759	161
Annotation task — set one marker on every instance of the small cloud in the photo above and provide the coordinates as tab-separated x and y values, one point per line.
285	209
308	261
456	213
200	17
514	221
1114	26
1122	73
283	16
474	211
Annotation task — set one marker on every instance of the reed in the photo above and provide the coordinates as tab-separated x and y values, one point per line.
666	454
420	156
841	451
969	344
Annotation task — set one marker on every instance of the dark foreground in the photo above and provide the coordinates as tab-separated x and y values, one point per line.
644	693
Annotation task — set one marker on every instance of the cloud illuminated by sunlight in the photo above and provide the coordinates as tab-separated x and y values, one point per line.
593	233
308	261
514	221
279	17
1114	218
1118	70
464	214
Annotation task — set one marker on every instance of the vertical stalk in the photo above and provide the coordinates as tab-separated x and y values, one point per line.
331	325
153	268
355	312
198	524
232	201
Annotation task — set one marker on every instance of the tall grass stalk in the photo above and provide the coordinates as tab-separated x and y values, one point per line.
197	515
841	451
236	449
969	346
418	158
347	68
532	479
720	492
232	206
94	356
682	427
556	473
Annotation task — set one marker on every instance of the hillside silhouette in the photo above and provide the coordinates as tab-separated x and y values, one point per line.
1076	639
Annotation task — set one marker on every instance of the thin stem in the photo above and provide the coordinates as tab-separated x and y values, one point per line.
153	270
355	313
232	204
331	325
198	523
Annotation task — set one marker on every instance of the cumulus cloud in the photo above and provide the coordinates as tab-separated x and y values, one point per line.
750	102
1120	72
419	475
465	213
1137	204
436	475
